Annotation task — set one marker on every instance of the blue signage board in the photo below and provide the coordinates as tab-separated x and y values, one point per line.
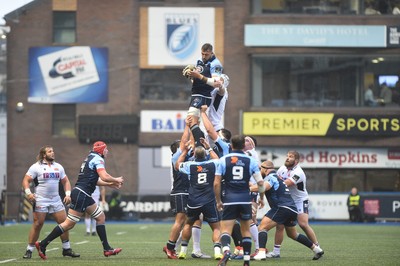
280	35
77	74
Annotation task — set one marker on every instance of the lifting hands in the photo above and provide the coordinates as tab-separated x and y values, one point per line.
117	182
186	72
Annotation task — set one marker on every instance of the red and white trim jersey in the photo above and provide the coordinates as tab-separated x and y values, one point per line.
46	178
298	177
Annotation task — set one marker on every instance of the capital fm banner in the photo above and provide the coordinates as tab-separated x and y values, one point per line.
77	74
175	35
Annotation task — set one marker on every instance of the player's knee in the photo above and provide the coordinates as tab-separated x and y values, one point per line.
72	218
194	112
97	214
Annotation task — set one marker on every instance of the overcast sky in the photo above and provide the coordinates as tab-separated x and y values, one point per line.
6	6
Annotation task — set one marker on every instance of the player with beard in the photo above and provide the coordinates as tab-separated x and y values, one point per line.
295	178
207	69
46	174
92	172
283	212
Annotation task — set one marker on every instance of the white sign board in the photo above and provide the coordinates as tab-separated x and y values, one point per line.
68	69
176	34
321	207
351	157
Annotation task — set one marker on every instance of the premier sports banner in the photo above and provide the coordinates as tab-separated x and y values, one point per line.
319	124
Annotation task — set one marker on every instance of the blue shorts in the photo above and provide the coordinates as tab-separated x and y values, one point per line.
282	215
237	211
178	203
80	200
209	211
198	100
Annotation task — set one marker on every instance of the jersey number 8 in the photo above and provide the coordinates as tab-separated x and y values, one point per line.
202	178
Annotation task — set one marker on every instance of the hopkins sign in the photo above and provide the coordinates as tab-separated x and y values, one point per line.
336	157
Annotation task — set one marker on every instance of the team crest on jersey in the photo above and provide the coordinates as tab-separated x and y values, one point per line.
296	178
199	168
234	159
182	31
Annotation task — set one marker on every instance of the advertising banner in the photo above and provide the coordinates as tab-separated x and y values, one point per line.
322	206
357	158
319	124
315	35
162	121
77	74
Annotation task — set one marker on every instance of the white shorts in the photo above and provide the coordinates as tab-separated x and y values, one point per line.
302	206
48	205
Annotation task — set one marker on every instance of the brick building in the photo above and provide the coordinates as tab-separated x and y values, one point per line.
297	70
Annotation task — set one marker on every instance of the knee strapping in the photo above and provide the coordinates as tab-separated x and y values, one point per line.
96	213
73	218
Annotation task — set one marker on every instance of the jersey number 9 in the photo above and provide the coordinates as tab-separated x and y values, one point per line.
237	172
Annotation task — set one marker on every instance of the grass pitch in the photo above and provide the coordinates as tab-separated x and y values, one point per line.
344	244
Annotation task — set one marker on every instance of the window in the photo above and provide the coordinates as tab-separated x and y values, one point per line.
64	27
311	81
64	120
164	85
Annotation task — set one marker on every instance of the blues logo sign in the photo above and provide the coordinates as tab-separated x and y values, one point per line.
175	35
182	31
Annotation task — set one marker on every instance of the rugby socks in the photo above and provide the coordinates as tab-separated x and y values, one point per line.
262	239
196	234
101	231
237	235
57	231
225	242
254	235
197	134
246	248
178	241
217	248
87	223
304	240
94	223
30	247
184	246
66	244
171	245
277	249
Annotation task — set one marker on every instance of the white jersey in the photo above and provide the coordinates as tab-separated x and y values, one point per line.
298	177
46	178
216	110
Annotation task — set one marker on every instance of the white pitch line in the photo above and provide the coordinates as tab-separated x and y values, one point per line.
5	261
121	233
83	242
